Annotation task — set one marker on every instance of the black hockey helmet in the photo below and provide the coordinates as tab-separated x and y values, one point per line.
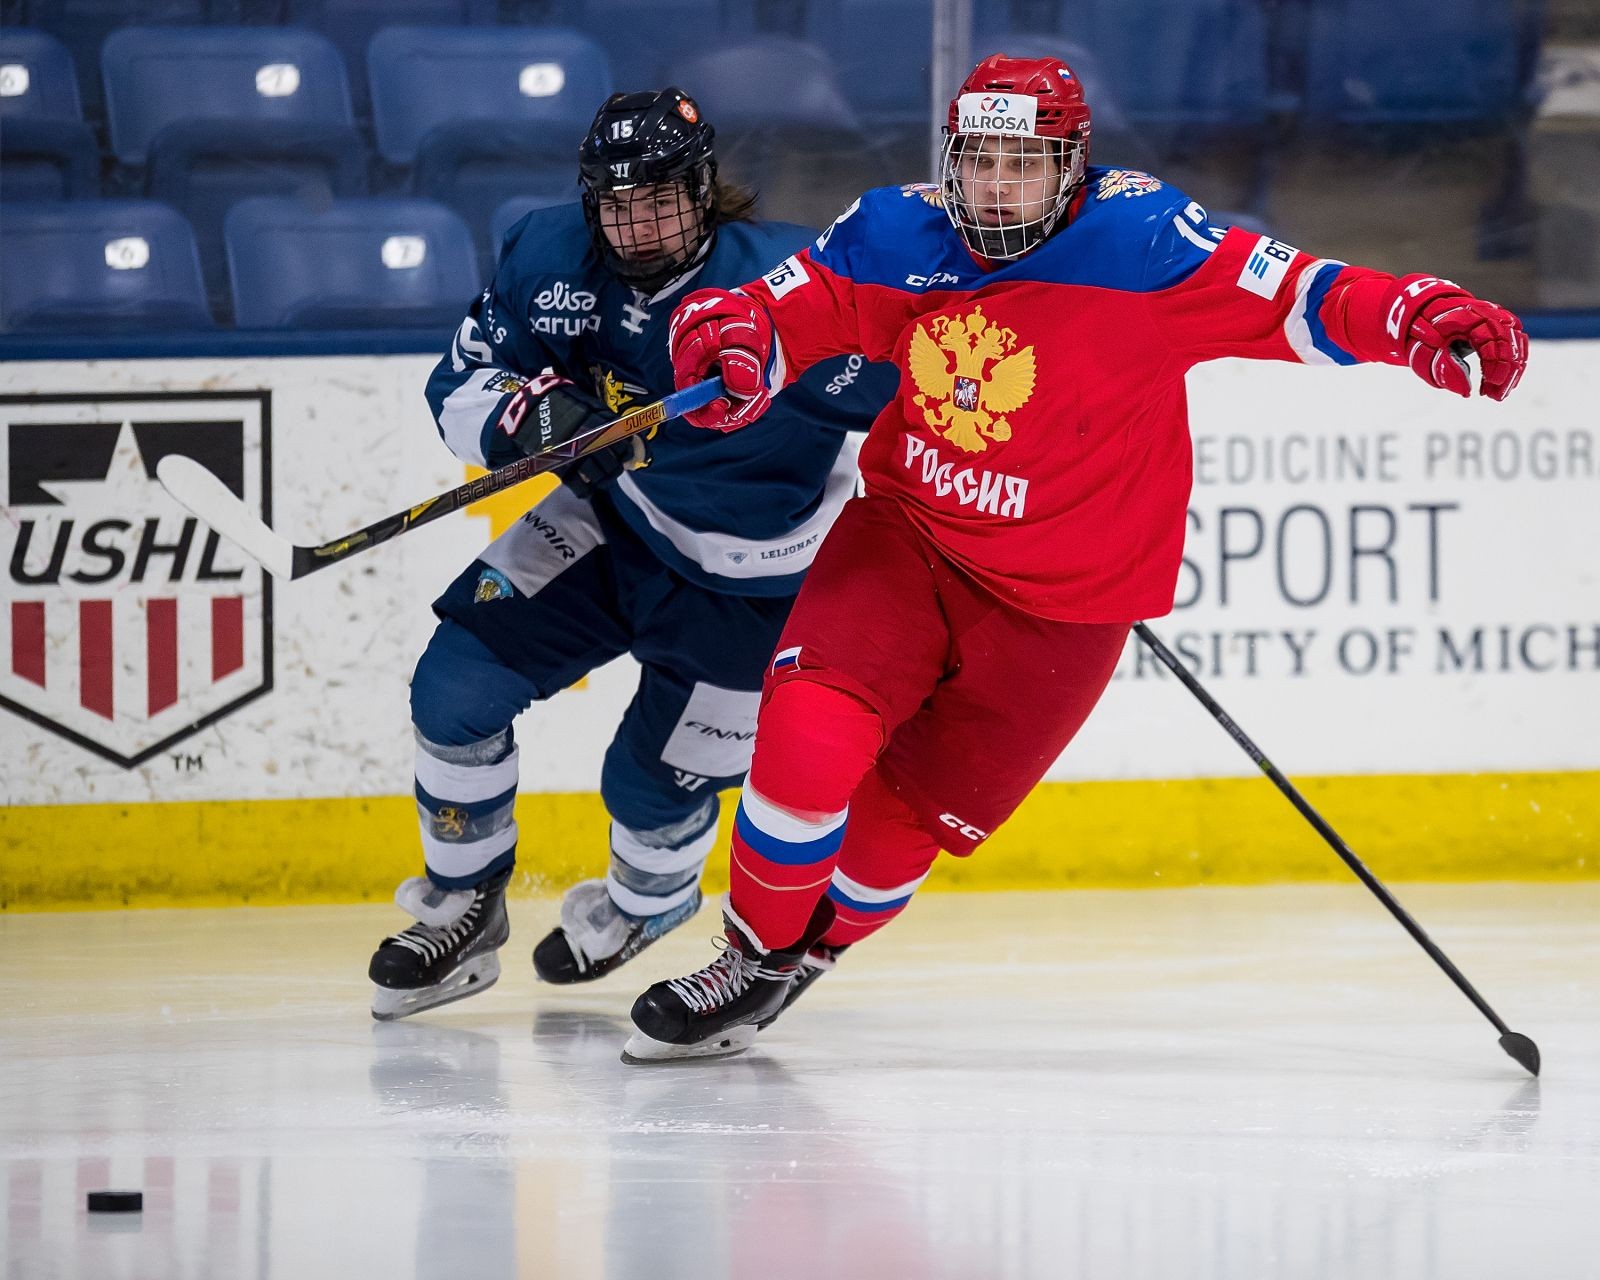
640	140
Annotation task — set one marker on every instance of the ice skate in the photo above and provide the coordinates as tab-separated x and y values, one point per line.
596	936
816	962
448	955
717	1011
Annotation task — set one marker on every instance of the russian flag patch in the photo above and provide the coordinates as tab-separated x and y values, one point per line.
786	659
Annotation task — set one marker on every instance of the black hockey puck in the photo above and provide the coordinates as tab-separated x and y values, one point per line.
116	1202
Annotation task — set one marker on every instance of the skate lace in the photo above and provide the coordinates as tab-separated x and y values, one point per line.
432	941
724	979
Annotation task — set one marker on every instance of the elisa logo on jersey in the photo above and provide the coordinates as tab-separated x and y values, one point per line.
969	375
128	626
1012	114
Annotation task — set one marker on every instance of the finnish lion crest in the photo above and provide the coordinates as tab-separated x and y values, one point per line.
969	374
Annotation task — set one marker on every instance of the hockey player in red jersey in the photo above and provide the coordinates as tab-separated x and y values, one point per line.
1025	499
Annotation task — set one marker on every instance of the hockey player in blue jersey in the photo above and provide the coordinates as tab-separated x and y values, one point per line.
685	549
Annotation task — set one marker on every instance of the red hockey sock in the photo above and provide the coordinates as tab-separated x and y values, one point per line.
885	856
812	746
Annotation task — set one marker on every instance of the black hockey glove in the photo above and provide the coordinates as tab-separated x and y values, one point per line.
550	410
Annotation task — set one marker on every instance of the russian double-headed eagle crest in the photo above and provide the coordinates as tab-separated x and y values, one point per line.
969	374
1125	183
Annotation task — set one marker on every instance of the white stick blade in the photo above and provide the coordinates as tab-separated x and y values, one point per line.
203	493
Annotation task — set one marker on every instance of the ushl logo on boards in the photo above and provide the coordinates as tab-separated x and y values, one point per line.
127	625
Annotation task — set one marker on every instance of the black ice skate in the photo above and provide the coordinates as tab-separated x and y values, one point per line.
716	1011
595	936
816	962
449	954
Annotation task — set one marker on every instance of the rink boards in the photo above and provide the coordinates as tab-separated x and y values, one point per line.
1392	590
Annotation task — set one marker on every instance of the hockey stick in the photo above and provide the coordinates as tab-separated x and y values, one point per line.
1518	1046
207	497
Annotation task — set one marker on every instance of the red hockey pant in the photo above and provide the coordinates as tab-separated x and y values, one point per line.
907	710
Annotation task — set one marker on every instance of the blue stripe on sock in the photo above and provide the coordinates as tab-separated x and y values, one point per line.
476	809
787	853
867	908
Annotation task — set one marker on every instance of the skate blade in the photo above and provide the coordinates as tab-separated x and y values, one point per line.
643	1051
478	974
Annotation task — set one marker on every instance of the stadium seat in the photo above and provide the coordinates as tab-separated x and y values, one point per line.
1402	64
157	77
351	24
83	25
479	115
544	81
37	77
97	267
370	263
643	38
46	151
513	211
881	50
1201	65
210	115
771	84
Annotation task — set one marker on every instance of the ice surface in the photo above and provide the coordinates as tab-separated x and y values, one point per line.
1212	1084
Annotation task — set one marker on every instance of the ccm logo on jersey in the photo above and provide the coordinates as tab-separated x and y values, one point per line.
928	282
787	275
965	828
1264	269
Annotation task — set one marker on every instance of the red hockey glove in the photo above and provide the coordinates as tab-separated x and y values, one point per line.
715	331
1437	324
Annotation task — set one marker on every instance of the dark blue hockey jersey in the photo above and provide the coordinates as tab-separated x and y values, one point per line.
742	512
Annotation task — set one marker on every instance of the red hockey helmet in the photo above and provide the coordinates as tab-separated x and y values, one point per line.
1016	149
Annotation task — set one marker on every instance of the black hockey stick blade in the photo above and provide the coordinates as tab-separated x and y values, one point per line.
1522	1049
1516	1045
203	493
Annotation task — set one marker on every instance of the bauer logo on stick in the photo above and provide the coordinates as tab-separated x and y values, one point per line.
128	625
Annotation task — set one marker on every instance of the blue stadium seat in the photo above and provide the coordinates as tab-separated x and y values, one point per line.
46	151
351	24
156	77
215	114
513	211
1413	63
480	115
771	84
882	50
352	264
37	77
83	25
1198	65
546	82
643	38
98	266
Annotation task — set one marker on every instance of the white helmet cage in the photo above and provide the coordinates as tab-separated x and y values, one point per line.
1005	193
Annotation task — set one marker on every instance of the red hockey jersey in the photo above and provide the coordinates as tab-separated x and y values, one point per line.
1040	436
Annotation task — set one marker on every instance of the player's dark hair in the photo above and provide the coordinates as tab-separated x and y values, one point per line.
732	202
